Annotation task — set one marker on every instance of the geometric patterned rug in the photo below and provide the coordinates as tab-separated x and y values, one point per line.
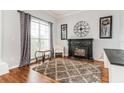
70	71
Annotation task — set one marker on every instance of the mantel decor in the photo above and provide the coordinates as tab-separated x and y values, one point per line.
105	27
64	32
81	29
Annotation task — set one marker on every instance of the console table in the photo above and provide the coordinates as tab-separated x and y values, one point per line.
43	54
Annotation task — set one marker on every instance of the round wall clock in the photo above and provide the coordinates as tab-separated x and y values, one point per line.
81	29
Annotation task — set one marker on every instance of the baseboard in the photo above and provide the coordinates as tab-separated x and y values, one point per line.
13	67
3	73
99	60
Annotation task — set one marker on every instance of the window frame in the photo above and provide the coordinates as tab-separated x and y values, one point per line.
40	23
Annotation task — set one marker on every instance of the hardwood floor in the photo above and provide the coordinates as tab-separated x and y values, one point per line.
27	75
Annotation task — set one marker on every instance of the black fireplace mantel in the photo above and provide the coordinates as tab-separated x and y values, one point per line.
86	44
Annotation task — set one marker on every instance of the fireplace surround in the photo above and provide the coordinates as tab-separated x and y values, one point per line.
81	48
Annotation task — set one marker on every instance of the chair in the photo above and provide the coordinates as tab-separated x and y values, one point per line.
58	49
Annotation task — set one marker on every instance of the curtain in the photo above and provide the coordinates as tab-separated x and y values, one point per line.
51	38
25	21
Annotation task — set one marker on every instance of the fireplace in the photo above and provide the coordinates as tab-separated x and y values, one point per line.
80	48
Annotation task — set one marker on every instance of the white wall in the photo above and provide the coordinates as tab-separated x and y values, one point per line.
92	17
11	37
0	32
122	29
11	34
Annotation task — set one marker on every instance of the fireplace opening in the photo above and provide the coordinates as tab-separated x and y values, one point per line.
79	52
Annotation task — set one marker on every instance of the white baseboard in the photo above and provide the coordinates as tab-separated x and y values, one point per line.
102	60
13	67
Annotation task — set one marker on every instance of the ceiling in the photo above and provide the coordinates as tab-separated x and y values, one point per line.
62	13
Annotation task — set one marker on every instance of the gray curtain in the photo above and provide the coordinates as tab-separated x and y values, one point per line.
51	38
25	19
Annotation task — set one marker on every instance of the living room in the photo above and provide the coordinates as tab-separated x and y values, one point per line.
68	27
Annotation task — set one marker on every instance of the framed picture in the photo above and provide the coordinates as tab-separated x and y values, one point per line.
105	27
63	31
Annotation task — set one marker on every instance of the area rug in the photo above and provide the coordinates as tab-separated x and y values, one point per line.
70	71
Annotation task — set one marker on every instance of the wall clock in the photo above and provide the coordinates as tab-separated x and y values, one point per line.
81	29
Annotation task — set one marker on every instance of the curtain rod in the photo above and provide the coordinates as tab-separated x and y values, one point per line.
34	16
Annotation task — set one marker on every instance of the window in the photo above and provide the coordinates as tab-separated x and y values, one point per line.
40	35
